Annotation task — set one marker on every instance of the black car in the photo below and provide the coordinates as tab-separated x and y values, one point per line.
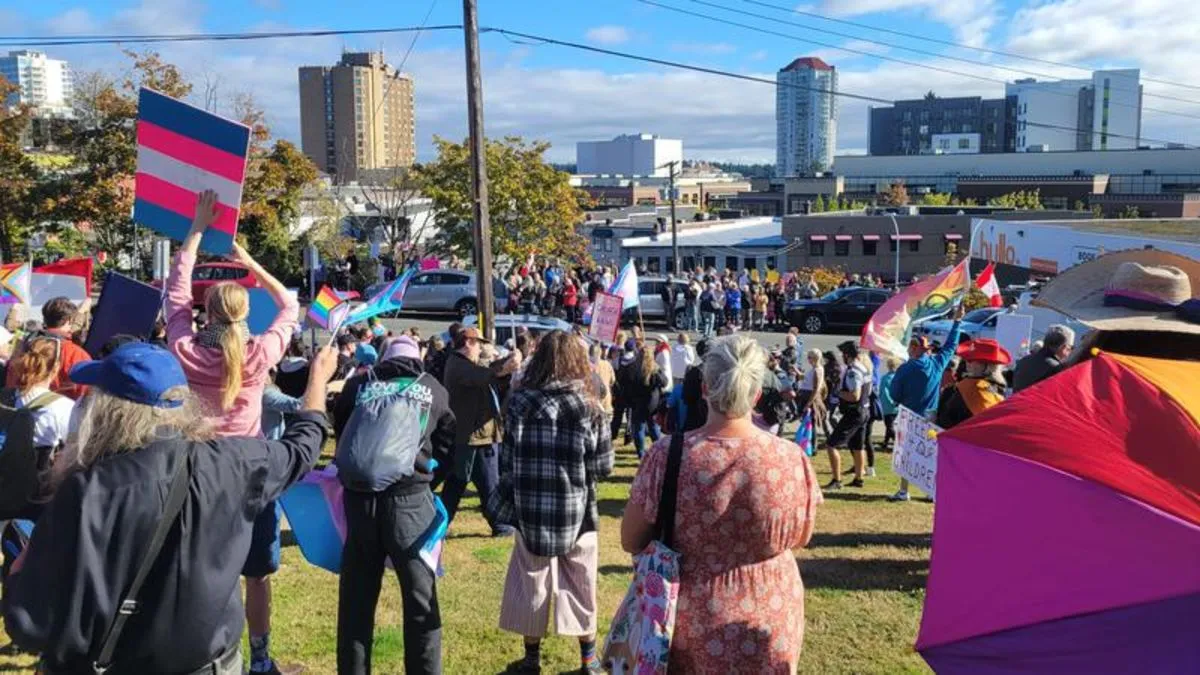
844	308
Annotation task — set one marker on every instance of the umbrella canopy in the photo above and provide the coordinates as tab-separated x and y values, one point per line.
1067	531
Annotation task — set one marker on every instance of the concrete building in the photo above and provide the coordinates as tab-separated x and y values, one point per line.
934	125
628	155
357	115
1101	113
45	84
605	230
805	117
620	191
747	243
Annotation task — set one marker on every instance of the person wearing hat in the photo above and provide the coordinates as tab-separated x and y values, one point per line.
145	458
1046	359
473	399
850	432
394	426
981	388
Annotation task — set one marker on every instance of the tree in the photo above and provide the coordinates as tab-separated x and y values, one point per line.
819	204
275	182
1097	212
19	176
897	195
1022	199
936	199
533	207
1129	212
1079	205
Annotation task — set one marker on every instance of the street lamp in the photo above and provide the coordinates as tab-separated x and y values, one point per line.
896	227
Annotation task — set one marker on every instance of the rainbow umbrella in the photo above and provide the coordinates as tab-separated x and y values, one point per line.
1066	537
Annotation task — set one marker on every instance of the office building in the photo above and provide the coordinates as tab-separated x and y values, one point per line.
805	117
1102	113
43	83
357	116
942	126
628	155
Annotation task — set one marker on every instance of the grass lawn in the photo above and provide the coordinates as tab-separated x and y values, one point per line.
865	572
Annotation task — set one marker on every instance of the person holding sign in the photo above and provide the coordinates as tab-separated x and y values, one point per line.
228	369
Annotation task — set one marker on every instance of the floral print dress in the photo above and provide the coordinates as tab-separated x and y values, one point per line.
743	505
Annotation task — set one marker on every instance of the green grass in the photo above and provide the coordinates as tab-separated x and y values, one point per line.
864	571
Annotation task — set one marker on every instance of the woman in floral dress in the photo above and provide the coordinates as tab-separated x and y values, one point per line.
746	499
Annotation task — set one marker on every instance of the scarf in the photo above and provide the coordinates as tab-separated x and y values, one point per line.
210	335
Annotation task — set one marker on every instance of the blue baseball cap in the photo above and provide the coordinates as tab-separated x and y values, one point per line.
366	355
137	372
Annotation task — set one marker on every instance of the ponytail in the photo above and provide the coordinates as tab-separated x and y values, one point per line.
233	352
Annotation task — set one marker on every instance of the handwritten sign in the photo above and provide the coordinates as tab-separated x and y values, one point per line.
1013	333
915	456
606	317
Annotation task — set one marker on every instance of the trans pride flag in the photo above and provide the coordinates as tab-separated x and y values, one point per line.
890	328
324	311
181	151
390	299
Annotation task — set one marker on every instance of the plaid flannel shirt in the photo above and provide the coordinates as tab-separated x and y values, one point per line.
557	444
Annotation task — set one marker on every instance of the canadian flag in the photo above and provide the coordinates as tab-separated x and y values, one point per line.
986	281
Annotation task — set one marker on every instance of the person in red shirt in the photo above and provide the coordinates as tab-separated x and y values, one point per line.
58	319
570	299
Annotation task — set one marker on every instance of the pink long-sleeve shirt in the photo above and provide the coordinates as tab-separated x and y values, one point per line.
205	367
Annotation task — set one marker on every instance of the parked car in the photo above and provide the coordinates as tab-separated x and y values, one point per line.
979	323
845	308
207	275
507	325
650	296
446	291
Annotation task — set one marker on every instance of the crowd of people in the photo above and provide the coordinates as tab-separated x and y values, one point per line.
159	468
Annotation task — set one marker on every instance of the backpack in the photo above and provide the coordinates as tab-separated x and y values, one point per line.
381	441
21	463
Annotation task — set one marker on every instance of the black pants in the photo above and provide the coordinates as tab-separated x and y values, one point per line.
889	430
380	526
476	464
851	429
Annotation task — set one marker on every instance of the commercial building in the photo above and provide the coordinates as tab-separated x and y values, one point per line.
747	243
45	84
628	155
621	191
1103	113
933	125
805	117
357	116
605	230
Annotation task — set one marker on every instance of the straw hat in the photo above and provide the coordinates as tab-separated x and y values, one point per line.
1137	290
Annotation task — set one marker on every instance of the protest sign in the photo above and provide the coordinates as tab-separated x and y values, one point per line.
182	151
263	310
126	306
1013	333
606	317
915	456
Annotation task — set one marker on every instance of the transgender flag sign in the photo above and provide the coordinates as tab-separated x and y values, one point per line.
182	151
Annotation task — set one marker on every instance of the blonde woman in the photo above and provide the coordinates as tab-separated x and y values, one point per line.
227	370
746	499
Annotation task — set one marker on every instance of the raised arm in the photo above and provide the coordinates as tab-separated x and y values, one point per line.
178	305
277	337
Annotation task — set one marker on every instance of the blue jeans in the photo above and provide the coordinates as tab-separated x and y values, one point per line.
708	329
641	422
476	464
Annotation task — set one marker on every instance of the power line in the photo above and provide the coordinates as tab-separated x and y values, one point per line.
863	52
950	43
925	52
71	40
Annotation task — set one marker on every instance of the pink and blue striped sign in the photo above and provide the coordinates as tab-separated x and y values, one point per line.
182	151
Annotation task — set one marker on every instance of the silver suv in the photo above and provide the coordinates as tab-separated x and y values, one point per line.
448	291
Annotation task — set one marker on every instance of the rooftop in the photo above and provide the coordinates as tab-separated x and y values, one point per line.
809	63
762	231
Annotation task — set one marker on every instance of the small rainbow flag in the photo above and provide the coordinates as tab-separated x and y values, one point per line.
321	312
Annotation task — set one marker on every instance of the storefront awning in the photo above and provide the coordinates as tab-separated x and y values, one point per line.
870	237
843	237
952	236
906	237
818	237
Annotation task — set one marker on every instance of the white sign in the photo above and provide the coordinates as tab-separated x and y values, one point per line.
1014	332
915	456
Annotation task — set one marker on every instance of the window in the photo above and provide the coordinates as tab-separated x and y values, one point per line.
857	297
751	263
731	262
424	280
870	247
689	262
710	262
608	245
202	274
772	263
893	245
924	128
914	246
816	249
964	144
670	264
878	297
841	249
653	265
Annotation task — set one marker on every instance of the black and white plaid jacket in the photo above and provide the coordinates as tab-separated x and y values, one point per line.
557	445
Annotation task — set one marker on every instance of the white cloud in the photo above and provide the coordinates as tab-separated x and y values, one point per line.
608	35
703	48
970	19
758	55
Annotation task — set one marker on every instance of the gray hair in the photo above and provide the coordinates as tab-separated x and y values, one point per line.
1057	336
733	373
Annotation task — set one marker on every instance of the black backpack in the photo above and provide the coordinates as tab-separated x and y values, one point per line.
21	463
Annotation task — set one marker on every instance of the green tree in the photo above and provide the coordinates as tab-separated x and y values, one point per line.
819	204
936	199
533	207
1022	199
1129	212
1097	212
897	195
1079	205
19	176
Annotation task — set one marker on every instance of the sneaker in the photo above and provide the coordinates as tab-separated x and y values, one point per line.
834	485
870	472
900	496
503	531
289	669
592	668
856	483
849	471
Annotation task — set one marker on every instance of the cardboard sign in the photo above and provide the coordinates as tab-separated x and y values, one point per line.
915	456
126	306
606	317
182	151
263	310
1013	332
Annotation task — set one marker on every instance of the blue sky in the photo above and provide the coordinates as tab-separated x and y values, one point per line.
565	95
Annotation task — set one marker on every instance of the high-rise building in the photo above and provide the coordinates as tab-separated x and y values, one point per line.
43	83
628	155
805	117
942	126
1102	113
357	116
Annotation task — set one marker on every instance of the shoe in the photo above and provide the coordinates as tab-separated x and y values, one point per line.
856	483
523	668
501	532
593	668
899	497
870	472
834	486
849	471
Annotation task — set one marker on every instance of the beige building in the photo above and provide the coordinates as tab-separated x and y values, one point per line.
357	116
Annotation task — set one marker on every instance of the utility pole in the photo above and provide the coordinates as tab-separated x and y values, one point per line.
674	227
479	189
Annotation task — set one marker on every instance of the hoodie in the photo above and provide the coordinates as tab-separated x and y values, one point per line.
436	434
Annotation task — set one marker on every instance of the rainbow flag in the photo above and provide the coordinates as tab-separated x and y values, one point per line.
14	284
890	328
390	299
182	151
322	311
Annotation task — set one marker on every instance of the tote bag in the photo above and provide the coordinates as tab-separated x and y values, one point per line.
639	639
